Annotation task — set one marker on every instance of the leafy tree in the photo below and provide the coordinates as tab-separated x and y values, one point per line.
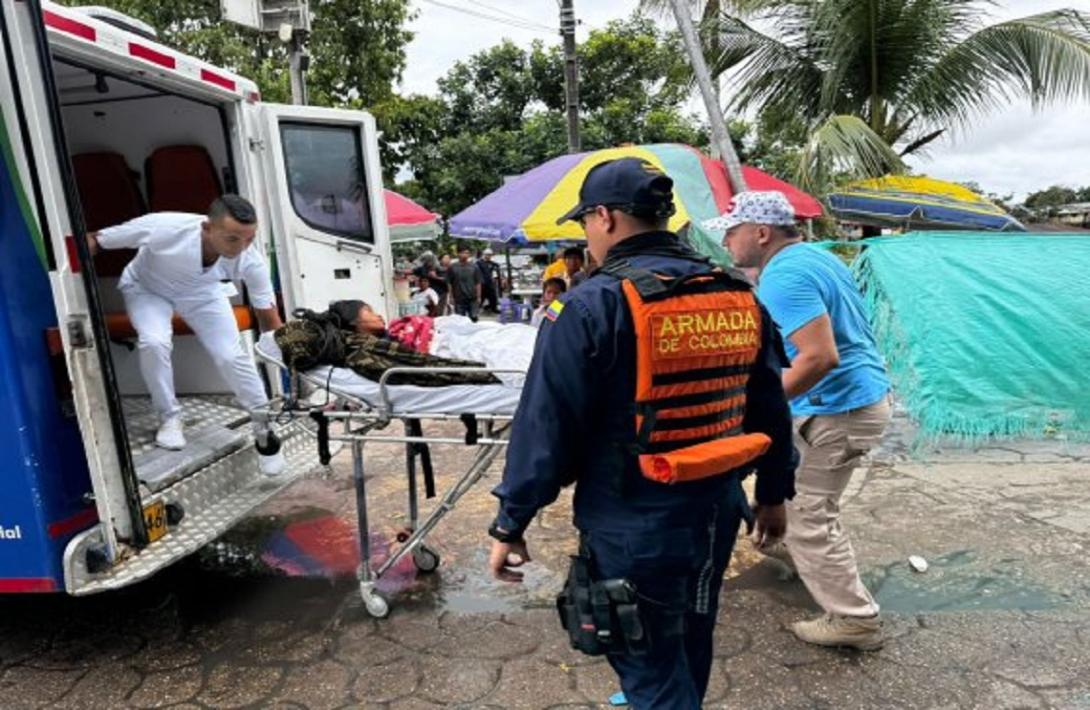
1054	196
1043	204
357	46
410	126
772	143
500	112
1004	202
868	75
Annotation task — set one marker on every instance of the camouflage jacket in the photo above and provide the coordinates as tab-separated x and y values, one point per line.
314	339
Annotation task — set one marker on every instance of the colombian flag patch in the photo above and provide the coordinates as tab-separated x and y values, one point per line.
553	311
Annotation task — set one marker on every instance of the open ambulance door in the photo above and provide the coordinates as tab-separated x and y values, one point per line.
39	153
328	216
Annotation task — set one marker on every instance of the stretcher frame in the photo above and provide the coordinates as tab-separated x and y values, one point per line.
357	421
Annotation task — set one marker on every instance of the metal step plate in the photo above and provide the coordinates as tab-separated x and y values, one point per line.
160	468
214	499
198	411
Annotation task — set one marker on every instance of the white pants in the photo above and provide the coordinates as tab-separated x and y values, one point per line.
213	322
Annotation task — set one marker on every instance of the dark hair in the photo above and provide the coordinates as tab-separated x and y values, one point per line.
239	208
651	219
345	313
787	231
557	283
575	251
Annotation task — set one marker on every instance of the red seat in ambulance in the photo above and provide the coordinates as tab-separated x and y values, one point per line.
181	178
109	194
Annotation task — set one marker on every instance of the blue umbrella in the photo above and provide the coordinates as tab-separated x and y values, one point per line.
919	203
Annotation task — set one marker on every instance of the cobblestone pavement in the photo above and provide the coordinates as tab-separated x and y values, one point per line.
998	621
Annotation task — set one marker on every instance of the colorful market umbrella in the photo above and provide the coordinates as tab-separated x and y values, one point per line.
408	221
919	203
526	208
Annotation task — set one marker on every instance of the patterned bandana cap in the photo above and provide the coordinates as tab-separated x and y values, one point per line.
756	207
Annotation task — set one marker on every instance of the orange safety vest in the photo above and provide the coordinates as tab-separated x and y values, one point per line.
697	338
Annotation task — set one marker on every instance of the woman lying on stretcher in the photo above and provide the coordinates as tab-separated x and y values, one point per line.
350	334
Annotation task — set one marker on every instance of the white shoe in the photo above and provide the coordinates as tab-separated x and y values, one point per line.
170	434
272	465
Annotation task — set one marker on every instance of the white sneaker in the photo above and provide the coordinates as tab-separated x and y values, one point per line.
272	465
170	434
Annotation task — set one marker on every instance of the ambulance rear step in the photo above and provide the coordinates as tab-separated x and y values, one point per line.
213	500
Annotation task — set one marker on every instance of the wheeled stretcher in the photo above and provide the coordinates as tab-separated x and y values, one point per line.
357	411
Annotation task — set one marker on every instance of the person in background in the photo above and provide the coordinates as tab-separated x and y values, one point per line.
839	398
551	291
426	266
441	285
556	270
429	269
427	296
490	282
464	280
573	266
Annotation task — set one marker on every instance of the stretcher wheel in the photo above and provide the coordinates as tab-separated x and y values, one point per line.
376	604
426	559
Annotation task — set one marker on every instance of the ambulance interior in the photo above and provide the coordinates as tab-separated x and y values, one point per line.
137	149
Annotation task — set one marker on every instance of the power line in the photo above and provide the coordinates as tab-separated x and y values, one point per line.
524	25
492	8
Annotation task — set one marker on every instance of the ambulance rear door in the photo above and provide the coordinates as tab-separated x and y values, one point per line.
40	158
325	197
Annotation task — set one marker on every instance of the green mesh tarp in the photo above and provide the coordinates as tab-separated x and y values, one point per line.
985	335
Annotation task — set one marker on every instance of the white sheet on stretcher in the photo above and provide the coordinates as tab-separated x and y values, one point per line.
499	346
407	399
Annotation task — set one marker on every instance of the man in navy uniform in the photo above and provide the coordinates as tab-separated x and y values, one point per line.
621	400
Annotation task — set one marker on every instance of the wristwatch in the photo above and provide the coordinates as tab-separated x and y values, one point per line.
498	533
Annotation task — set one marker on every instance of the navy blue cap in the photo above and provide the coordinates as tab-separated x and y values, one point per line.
628	184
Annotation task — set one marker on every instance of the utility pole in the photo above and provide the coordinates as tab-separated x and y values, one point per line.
571	74
298	63
289	20
707	91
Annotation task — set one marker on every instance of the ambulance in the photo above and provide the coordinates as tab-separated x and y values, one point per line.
100	123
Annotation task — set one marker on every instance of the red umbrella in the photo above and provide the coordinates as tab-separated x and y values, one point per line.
409	221
806	207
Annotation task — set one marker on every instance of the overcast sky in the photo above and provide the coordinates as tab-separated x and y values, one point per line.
1012	150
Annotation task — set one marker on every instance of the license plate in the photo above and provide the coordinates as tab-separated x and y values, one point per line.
155	520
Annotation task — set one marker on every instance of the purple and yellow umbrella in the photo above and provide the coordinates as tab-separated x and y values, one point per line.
526	208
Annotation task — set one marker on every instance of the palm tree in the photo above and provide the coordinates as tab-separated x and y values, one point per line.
878	79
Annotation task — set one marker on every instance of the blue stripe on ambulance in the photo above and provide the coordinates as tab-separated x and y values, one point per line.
43	474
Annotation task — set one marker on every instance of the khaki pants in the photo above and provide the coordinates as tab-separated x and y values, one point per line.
831	446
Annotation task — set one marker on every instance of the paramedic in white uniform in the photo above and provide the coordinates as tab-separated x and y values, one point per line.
188	264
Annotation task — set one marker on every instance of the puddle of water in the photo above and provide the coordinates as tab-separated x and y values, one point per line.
469	588
308	542
957	581
312	543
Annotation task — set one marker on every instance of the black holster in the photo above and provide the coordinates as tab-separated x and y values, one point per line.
601	617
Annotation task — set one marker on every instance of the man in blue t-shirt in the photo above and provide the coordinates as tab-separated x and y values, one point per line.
839	401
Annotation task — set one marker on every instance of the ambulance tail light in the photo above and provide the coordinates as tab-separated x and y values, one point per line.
62	383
